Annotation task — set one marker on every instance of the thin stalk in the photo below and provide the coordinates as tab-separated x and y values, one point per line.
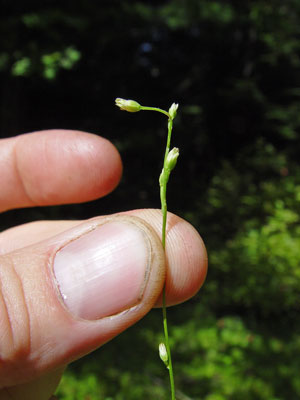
145	108
164	212
170	160
170	365
163	199
170	127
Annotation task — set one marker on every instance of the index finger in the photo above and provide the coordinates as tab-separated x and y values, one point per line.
56	167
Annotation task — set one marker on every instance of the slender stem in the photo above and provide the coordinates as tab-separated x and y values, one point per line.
163	186
170	366
170	127
163	199
155	109
133	106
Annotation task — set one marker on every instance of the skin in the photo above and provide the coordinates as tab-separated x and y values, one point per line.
73	167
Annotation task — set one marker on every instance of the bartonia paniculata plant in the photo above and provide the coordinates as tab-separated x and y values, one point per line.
170	160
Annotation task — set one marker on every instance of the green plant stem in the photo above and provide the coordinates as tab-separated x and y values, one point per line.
168	165
163	199
155	109
167	344
163	188
164	214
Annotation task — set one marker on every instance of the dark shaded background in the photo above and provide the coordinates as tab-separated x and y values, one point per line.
233	67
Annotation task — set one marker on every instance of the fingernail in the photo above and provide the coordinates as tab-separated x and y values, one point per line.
104	271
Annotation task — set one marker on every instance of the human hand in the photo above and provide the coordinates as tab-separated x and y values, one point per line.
65	284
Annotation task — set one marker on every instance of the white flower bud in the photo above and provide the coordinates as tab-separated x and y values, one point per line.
173	110
172	158
128	105
163	354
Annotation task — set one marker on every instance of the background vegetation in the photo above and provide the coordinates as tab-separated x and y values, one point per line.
233	66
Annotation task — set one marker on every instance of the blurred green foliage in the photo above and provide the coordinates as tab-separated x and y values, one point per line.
233	66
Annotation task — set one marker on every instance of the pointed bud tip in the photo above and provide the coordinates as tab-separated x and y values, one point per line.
172	158
173	110
163	354
128	105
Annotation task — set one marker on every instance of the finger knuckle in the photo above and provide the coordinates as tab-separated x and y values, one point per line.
14	320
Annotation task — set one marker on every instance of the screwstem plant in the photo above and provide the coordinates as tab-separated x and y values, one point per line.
170	160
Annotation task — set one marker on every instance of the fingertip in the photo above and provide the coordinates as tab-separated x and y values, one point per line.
74	166
109	165
186	256
57	167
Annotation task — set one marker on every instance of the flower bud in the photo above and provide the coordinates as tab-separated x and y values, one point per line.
128	105
163	354
172	158
173	110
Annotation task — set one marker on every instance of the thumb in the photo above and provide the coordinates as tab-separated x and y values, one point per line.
62	298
